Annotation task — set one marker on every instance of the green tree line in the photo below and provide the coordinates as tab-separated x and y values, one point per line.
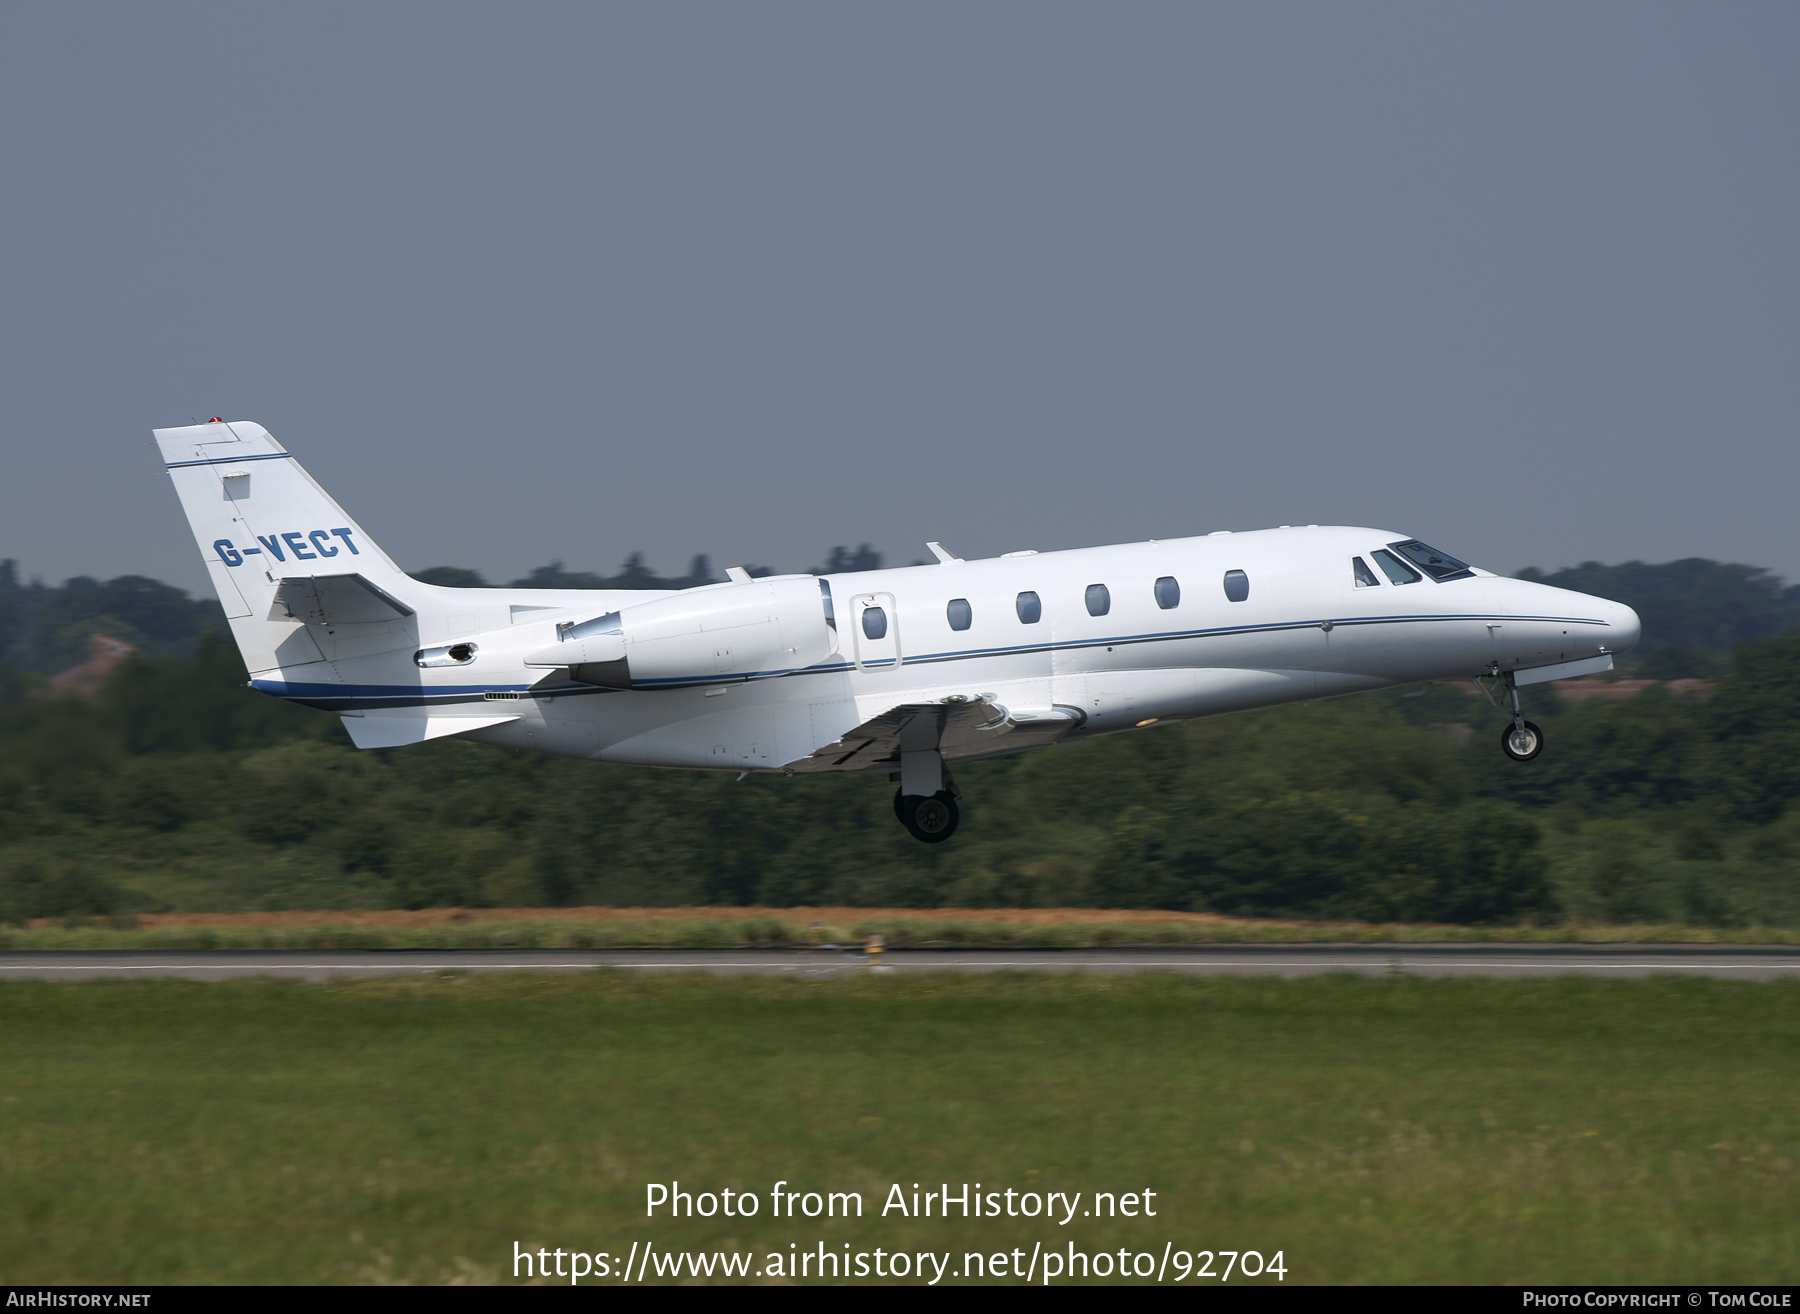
1694	611
178	788
45	629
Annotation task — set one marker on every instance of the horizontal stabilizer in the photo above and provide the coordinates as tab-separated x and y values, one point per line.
397	731
335	600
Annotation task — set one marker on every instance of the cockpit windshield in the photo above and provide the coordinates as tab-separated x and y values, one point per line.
1394	568
607	624
1438	565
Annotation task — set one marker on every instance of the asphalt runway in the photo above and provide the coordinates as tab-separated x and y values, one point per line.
1736	962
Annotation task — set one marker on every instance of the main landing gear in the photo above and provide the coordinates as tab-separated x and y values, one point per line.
926	799
929	818
1521	741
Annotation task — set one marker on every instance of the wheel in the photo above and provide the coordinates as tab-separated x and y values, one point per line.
931	820
1522	742
899	807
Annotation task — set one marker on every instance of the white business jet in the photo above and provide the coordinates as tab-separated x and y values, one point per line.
900	671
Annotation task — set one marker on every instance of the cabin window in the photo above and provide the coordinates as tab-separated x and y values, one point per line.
959	614
1168	593
1237	585
1438	565
874	622
1394	568
1099	601
1365	578
1030	607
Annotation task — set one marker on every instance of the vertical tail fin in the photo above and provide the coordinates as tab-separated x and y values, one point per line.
279	549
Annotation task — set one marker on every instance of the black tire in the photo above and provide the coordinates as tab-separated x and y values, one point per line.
930	820
899	807
1522	742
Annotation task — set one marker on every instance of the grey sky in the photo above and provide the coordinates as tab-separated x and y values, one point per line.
527	282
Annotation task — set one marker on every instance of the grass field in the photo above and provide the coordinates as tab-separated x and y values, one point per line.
1372	1130
588	928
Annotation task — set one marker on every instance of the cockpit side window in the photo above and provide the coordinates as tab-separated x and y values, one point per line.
1438	565
1365	578
1394	568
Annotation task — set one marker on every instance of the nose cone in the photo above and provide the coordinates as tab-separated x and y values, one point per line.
1537	632
1625	626
1622	626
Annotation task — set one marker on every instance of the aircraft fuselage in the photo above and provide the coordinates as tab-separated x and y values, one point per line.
903	670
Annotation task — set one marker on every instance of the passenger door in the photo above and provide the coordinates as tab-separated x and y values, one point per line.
875	631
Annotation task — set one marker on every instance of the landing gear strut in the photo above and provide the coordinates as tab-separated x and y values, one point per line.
1521	741
930	818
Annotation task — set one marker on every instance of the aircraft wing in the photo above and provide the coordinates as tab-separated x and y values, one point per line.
976	728
334	600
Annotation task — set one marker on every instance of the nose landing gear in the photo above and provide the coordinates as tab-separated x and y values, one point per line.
1521	741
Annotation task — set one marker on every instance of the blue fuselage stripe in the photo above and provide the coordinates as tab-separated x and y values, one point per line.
343	696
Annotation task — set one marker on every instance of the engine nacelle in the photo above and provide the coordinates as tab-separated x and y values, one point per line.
700	636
